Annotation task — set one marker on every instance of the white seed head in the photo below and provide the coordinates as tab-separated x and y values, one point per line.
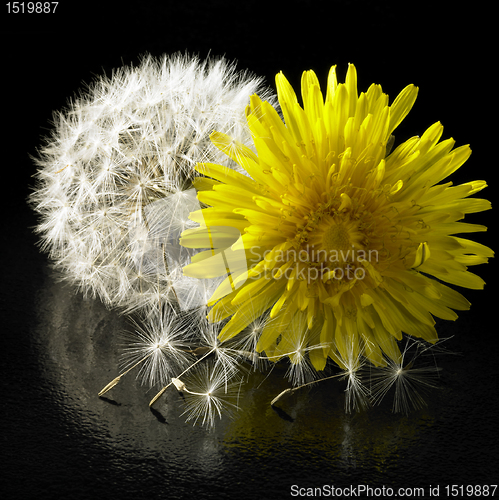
118	151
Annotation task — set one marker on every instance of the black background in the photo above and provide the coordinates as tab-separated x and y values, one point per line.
57	350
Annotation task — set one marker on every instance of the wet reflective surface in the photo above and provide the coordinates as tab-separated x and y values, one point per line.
60	438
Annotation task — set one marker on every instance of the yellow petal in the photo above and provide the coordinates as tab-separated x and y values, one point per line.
401	106
422	254
251	310
227	176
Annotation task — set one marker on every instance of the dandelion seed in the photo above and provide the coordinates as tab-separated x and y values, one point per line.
159	343
111	384
353	361
245	343
202	353
296	346
179	385
411	382
225	357
357	393
208	394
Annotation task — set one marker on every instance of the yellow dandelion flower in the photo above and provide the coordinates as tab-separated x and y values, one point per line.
344	245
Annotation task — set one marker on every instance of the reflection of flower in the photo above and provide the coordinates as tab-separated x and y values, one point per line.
325	183
114	156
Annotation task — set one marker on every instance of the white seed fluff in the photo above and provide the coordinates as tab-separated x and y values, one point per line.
120	149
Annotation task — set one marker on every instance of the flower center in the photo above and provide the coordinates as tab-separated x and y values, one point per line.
336	237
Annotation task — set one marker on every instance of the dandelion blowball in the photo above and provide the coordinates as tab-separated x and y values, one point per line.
128	142
348	245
